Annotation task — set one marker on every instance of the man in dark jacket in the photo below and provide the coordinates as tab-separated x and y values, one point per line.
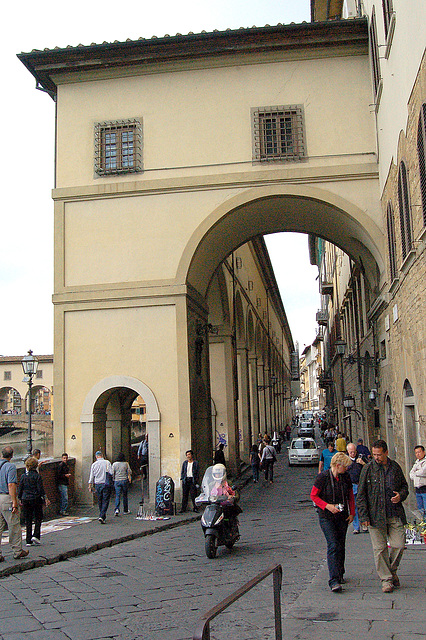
381	491
190	480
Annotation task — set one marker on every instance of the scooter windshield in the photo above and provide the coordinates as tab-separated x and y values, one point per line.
214	486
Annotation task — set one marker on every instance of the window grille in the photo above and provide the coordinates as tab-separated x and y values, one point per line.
7	375
404	211
278	134
387	14
374	53
421	150
391	242
39	373
118	147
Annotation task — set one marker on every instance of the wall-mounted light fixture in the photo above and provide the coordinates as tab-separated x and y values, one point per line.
373	395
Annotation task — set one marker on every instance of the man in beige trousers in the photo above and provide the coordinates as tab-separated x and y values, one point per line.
9	511
382	489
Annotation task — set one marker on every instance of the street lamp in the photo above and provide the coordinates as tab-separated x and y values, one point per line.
340	346
29	365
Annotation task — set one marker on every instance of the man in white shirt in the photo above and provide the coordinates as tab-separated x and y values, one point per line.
190	480
99	482
418	476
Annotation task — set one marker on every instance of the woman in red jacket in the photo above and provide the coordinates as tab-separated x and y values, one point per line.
334	500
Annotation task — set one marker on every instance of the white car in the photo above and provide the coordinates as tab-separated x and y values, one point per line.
303	451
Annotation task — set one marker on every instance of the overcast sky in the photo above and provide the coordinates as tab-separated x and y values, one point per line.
27	116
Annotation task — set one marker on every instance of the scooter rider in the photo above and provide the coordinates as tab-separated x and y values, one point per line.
222	488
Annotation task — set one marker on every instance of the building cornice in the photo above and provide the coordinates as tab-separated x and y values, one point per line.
245	179
49	65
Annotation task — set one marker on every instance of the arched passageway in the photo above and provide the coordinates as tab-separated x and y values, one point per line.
106	422
273	209
304	209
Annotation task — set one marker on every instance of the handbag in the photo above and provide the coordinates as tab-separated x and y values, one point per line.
109	478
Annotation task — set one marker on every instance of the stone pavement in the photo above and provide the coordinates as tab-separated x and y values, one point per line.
151	580
82	533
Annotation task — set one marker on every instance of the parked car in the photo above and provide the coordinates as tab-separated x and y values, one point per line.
306	429
303	451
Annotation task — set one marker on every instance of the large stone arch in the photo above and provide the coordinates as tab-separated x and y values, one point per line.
97	399
296	208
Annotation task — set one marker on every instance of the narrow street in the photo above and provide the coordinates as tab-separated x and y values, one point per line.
157	587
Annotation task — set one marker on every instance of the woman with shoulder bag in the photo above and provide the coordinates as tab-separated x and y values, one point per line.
122	475
334	500
268	459
32	496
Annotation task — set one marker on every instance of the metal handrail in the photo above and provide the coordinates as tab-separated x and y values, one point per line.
202	631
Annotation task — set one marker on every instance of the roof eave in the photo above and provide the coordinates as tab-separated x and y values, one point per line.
44	65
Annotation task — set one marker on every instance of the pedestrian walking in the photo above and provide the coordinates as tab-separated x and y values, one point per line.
287	431
100	481
326	456
189	477
418	476
63	475
9	510
334	500
32	497
268	459
362	449
219	455
382	489
354	471
255	462
340	443
143	456
122	475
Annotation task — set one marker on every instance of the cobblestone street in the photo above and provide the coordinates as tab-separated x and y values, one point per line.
159	585
156	587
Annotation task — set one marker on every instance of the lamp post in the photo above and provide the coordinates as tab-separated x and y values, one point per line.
29	366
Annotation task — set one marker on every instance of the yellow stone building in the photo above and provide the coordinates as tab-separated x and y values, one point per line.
171	155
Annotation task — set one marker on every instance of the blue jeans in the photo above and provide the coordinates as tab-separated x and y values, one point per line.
63	497
421	502
334	530
103	492
268	466
356	518
255	470
121	487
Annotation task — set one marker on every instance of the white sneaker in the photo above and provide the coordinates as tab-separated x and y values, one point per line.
35	540
127	512
116	513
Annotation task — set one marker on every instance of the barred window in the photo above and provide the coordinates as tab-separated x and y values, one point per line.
421	150
118	147
404	211
7	375
39	373
391	242
278	134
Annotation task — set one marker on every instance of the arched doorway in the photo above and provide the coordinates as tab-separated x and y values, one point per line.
106	424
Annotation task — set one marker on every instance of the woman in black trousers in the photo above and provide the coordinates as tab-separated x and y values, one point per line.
334	500
32	496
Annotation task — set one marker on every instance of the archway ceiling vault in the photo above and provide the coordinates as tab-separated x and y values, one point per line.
224	231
